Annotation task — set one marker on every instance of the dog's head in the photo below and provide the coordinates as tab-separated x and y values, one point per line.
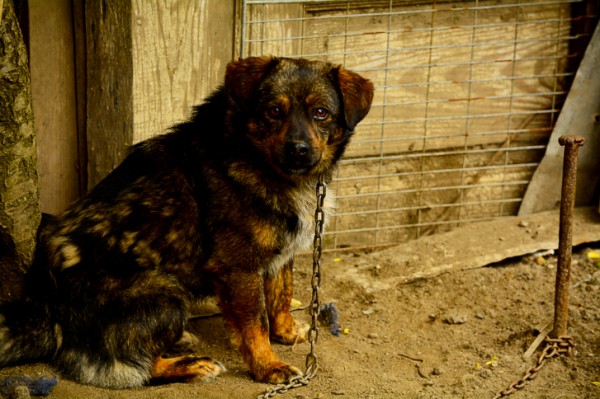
298	114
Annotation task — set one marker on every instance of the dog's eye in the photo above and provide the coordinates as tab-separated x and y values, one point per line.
321	114
275	112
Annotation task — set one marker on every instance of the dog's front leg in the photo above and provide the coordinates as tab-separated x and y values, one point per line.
242	302
278	296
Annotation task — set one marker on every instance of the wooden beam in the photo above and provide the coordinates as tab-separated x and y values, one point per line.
109	124
148	63
81	92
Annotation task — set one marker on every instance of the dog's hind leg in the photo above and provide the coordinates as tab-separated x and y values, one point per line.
184	369
117	341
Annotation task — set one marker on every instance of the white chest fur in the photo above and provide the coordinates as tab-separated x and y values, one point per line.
302	239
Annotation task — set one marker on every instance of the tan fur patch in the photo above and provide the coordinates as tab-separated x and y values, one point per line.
172	236
58	336
71	256
145	254
168	211
265	235
65	254
102	228
128	240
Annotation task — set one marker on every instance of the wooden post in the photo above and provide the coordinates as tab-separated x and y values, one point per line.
109	124
148	63
52	66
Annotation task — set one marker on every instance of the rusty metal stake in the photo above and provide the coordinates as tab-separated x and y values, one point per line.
565	236
558	343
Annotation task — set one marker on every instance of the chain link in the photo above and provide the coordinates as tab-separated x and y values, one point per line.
554	347
312	364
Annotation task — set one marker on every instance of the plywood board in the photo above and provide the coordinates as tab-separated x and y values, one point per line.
580	116
469	247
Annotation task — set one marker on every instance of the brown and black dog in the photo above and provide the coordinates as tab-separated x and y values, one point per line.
218	206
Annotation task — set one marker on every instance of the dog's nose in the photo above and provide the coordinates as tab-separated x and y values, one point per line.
297	149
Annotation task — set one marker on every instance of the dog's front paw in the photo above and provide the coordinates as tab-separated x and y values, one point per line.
277	373
302	331
290	332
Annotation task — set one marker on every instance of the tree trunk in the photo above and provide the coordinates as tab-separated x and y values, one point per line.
19	206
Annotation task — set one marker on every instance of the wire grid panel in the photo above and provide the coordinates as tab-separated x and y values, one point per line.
467	94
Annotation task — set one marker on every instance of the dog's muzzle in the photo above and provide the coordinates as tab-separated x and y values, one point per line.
298	157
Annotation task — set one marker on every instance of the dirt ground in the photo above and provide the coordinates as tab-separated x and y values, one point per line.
460	334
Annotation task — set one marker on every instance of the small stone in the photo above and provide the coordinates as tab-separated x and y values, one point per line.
432	317
373	335
455	319
480	315
368	311
428	383
437	371
338	392
523	223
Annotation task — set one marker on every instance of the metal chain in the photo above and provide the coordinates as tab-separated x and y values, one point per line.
312	364
554	347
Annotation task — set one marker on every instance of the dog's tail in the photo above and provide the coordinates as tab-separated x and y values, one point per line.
26	333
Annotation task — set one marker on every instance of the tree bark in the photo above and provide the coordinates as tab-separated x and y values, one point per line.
19	200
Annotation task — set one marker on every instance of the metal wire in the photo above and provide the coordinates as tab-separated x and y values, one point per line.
466	97
445	28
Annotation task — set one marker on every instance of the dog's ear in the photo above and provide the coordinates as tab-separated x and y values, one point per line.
357	95
243	77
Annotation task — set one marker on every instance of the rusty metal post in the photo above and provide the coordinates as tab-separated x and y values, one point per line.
565	239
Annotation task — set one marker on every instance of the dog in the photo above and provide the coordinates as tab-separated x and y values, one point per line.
217	206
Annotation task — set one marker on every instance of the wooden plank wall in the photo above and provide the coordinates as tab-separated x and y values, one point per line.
289	28
180	51
52	66
108	74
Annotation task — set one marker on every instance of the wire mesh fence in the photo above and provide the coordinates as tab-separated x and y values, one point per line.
467	94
